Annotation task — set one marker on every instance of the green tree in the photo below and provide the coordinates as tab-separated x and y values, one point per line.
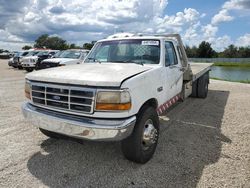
26	47
72	46
191	52
88	46
42	41
53	42
244	52
205	50
231	52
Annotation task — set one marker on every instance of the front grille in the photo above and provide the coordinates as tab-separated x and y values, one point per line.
76	100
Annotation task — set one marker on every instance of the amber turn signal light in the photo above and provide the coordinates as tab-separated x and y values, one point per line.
107	106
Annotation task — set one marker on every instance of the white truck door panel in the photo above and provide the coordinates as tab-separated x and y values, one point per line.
178	78
173	77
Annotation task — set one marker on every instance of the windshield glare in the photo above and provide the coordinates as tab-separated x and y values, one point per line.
141	51
70	54
41	53
32	53
57	54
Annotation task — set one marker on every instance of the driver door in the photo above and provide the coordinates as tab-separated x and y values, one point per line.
173	73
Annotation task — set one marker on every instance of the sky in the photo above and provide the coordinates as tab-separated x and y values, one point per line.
219	22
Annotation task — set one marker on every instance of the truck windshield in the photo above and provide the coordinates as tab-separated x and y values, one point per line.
42	53
57	54
70	54
32	53
141	51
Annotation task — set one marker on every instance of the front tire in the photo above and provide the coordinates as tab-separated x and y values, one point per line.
19	67
29	69
141	144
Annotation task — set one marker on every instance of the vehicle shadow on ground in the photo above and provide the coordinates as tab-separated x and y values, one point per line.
190	139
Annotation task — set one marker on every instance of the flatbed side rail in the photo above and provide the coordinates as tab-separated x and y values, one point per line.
199	69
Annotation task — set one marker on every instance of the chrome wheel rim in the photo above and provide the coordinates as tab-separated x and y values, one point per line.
150	135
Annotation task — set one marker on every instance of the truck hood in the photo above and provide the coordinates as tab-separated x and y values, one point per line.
89	74
60	60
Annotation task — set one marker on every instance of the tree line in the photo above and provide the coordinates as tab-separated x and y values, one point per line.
205	50
56	43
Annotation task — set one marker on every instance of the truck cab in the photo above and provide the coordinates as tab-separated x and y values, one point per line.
117	94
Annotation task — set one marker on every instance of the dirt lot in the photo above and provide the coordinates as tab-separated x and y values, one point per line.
203	143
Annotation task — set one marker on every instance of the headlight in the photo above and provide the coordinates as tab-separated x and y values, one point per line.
113	100
27	89
33	60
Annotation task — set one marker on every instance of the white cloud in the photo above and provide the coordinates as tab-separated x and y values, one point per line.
236	5
209	31
6	36
81	21
220	43
243	40
222	16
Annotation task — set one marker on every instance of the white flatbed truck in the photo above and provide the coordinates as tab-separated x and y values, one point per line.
117	94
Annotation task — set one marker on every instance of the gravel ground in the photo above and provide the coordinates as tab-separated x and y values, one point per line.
203	143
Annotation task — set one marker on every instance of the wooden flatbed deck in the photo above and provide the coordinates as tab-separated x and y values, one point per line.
198	69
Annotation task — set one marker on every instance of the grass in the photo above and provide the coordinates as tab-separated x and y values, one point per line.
232	64
240	81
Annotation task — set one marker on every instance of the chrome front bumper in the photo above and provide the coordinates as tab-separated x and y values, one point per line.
79	127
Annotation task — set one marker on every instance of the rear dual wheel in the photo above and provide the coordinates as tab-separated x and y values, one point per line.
141	144
200	87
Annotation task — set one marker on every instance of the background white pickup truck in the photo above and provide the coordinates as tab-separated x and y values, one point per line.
117	93
30	62
67	57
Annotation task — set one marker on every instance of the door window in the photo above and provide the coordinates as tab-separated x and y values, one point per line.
170	55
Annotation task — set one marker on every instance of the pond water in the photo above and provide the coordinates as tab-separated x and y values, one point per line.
231	73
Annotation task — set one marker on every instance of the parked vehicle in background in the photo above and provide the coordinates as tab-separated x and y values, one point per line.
117	94
30	63
12	54
11	60
67	57
17	59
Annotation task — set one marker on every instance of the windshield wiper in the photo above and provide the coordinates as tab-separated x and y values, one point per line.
131	61
128	61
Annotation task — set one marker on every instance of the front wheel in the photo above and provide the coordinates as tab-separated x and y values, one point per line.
29	69
141	144
19	67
